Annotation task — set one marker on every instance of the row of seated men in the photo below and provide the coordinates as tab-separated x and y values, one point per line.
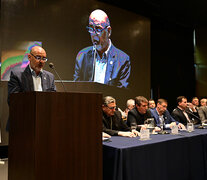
140	109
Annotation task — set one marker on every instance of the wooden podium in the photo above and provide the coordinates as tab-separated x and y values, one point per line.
55	136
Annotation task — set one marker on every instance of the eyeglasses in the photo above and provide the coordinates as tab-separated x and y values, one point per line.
39	58
112	107
97	30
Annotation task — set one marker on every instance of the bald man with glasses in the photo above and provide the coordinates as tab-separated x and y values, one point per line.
102	62
33	77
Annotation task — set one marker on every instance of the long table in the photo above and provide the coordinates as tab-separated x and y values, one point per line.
164	157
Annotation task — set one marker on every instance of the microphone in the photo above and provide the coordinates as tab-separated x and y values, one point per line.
188	112
52	66
199	127
94	61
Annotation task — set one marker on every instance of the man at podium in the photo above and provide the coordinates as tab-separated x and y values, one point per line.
33	77
102	62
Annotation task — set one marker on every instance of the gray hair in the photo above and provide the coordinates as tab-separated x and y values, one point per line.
130	102
107	100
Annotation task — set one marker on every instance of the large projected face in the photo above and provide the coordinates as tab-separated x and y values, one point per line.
102	62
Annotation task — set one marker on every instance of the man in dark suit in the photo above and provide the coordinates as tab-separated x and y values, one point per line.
202	111
33	77
102	62
162	116
113	123
139	113
182	113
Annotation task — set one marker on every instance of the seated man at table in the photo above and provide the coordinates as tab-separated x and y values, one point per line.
182	113
193	107
113	123
202	111
203	102
139	113
162	115
129	106
152	104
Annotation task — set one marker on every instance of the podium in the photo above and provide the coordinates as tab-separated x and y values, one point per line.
55	135
120	94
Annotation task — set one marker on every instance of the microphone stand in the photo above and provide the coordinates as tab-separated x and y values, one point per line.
94	62
199	127
51	65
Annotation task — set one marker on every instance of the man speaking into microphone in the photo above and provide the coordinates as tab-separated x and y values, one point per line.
102	62
33	77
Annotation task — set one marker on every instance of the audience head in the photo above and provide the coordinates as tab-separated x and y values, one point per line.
182	102
195	101
99	29
161	106
141	104
203	102
109	105
152	104
37	58
130	104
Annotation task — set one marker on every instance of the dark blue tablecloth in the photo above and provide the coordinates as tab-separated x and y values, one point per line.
164	157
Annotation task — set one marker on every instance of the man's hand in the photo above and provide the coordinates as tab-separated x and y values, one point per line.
157	129
126	134
105	135
136	133
172	124
181	126
191	106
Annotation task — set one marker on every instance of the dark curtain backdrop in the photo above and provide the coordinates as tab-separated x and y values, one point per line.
172	62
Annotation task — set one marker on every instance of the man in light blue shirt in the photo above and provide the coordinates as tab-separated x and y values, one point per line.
102	62
162	116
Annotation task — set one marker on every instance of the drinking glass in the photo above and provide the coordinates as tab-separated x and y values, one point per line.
190	127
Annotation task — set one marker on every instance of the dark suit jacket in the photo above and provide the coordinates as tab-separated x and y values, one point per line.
117	124
117	70
166	115
135	117
178	115
21	81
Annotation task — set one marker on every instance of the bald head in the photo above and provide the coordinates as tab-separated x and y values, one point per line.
38	49
99	17
35	64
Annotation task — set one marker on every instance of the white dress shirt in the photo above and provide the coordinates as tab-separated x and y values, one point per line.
100	67
37	81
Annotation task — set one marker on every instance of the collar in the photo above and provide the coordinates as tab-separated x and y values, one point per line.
107	51
158	112
34	73
180	108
